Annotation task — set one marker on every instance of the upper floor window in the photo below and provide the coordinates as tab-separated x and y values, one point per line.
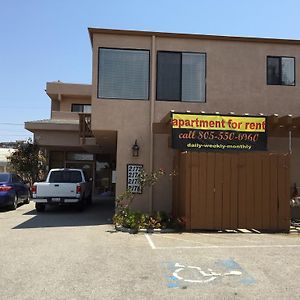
181	76
85	108
123	74
280	70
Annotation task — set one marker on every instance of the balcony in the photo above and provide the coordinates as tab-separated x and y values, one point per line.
85	130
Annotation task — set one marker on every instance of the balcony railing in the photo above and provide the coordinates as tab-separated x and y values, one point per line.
85	129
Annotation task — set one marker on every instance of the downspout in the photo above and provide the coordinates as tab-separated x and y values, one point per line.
152	108
290	142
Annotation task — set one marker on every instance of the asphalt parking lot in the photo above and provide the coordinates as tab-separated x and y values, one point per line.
64	254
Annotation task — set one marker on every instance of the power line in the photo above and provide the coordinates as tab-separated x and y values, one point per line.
15	135
14	124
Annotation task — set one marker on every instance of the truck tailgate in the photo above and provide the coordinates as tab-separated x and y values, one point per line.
45	189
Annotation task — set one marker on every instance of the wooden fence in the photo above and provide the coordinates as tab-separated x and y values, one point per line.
217	191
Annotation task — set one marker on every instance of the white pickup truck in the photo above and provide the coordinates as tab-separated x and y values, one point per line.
62	186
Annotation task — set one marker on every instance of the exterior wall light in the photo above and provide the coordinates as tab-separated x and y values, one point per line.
135	149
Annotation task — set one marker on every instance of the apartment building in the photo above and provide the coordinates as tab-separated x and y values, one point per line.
120	120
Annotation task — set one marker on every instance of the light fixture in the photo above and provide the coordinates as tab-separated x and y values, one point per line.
135	149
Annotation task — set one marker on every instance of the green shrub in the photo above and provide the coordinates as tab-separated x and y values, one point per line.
128	218
136	220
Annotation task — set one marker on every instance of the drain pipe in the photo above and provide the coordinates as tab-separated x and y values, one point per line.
152	107
290	142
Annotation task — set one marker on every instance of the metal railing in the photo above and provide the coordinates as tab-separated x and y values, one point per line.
85	129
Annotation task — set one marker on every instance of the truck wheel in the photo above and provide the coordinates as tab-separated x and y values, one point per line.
40	207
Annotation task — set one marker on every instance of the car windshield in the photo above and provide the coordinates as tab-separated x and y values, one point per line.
65	176
4	177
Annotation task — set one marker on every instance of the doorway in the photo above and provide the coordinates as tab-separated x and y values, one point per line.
104	176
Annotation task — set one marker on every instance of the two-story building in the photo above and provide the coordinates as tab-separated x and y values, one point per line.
139	77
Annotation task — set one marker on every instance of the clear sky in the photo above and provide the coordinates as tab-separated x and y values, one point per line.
47	40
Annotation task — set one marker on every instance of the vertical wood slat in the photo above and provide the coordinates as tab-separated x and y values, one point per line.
266	191
249	190
226	205
210	190
258	198
234	188
242	204
187	184
176	185
273	212
287	191
181	183
195	192
218	205
283	196
202	175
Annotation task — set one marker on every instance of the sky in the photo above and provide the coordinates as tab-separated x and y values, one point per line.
47	40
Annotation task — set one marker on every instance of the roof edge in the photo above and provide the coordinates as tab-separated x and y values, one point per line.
92	31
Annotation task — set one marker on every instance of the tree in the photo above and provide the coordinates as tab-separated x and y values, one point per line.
28	161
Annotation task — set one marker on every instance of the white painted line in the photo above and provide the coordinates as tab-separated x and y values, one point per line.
230	247
150	241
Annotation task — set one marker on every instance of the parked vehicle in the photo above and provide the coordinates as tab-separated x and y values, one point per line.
13	190
62	186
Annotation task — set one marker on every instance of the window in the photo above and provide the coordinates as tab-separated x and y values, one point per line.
85	108
123	74
280	70
181	76
65	176
79	156
4	177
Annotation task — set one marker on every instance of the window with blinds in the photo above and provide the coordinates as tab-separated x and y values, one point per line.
181	76
123	74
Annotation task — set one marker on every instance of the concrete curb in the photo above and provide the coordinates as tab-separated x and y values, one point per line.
143	230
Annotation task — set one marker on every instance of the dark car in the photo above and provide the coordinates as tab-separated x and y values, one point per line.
13	190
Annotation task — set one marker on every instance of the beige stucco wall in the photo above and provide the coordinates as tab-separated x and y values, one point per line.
131	119
236	81
236	78
56	138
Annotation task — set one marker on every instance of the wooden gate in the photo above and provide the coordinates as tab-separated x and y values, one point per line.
217	191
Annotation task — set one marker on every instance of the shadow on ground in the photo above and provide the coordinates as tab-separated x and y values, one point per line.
99	213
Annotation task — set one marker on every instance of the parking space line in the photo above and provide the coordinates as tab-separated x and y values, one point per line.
226	247
150	241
